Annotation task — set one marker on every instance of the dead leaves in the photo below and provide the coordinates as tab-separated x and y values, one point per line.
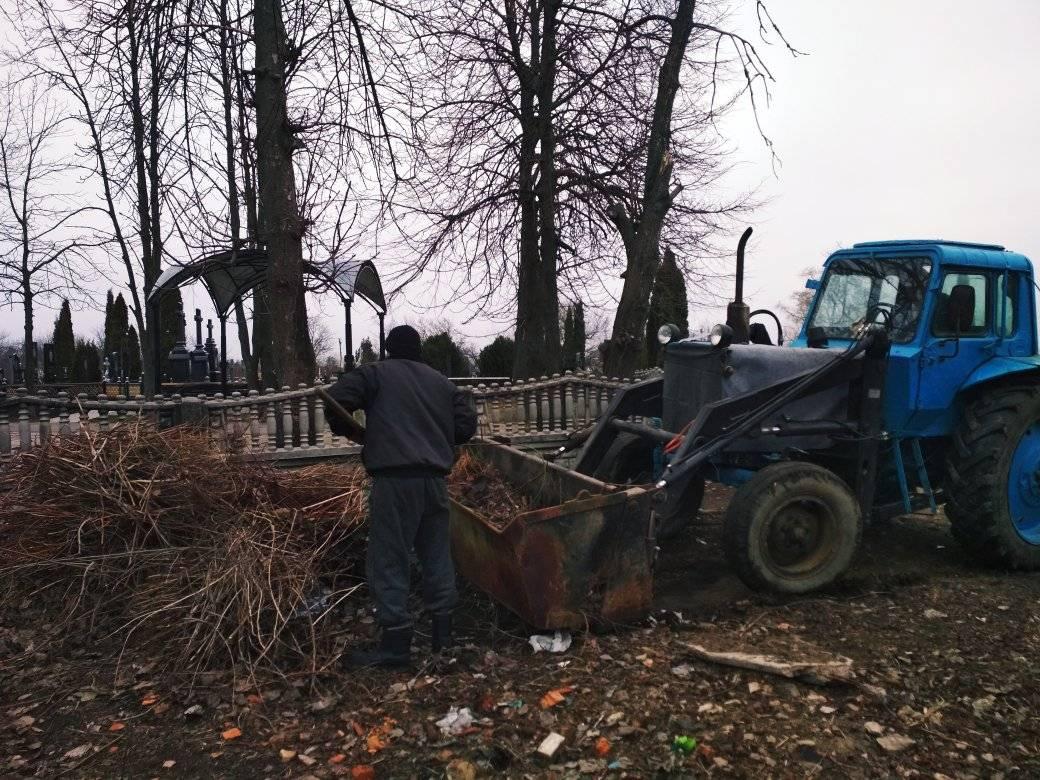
379	737
77	752
22	723
555	696
894	743
374	743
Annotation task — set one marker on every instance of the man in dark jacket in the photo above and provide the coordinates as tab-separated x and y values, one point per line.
414	417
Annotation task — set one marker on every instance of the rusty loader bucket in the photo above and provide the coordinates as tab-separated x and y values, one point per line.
581	557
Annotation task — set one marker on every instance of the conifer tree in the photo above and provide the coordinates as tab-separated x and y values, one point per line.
497	358
86	366
569	363
667	306
172	332
132	352
117	321
579	334
64	344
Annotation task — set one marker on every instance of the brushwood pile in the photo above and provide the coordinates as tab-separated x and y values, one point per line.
155	537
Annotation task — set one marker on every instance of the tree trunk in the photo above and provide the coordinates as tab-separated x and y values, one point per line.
529	327
550	300
146	175
29	363
537	316
248	364
262	344
641	232
281	226
152	261
234	217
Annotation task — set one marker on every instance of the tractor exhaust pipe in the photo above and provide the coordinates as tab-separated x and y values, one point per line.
738	313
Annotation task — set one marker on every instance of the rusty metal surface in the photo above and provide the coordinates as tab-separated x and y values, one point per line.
582	558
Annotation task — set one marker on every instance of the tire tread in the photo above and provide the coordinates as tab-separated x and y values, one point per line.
976	480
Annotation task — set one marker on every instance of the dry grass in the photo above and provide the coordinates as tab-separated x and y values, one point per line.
155	537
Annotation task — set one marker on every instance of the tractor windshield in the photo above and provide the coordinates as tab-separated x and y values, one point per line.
859	292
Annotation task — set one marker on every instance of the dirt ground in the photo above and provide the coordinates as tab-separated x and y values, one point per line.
944	652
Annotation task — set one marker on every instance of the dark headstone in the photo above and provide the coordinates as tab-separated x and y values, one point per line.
48	364
17	377
179	359
212	352
199	358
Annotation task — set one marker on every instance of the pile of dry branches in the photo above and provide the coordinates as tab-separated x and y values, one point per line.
483	488
153	536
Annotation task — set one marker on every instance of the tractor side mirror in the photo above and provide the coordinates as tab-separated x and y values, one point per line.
960	309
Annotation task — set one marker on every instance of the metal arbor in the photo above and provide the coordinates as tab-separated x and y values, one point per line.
230	274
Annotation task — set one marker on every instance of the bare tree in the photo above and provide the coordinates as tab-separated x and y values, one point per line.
794	309
118	64
540	132
641	222
39	240
281	180
500	79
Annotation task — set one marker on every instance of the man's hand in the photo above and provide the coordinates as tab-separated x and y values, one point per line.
354	430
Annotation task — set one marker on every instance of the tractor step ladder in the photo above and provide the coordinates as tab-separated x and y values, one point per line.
922	473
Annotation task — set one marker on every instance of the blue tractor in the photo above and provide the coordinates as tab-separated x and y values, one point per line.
914	382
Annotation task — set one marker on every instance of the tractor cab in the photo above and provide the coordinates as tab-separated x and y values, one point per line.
956	315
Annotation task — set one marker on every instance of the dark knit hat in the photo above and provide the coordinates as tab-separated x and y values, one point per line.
403	342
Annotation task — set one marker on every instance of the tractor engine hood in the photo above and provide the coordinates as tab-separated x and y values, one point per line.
696	373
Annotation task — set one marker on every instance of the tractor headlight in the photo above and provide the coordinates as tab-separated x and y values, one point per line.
668	333
721	335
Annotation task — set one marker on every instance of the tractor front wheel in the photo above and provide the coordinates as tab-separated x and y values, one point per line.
792	528
993	478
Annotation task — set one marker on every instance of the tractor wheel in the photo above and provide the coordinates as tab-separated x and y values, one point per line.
677	515
792	528
993	478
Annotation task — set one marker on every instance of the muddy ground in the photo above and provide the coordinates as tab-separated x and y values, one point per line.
945	655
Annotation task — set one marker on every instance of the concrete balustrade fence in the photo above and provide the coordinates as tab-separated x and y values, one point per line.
290	424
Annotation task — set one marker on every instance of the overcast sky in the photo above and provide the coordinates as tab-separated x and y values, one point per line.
903	120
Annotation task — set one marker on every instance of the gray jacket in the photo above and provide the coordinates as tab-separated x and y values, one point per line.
414	416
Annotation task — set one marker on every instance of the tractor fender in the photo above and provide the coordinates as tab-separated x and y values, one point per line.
1000	367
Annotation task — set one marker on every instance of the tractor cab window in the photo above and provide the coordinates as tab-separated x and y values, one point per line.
942	324
858	292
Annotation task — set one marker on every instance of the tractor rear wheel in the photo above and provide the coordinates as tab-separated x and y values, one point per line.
792	528
993	478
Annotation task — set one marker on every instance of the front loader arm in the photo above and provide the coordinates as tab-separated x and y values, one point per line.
642	399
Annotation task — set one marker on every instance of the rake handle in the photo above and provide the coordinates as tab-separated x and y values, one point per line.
357	431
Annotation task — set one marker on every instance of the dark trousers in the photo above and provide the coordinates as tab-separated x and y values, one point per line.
406	513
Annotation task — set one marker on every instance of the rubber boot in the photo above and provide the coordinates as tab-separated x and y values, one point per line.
394	650
441	631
